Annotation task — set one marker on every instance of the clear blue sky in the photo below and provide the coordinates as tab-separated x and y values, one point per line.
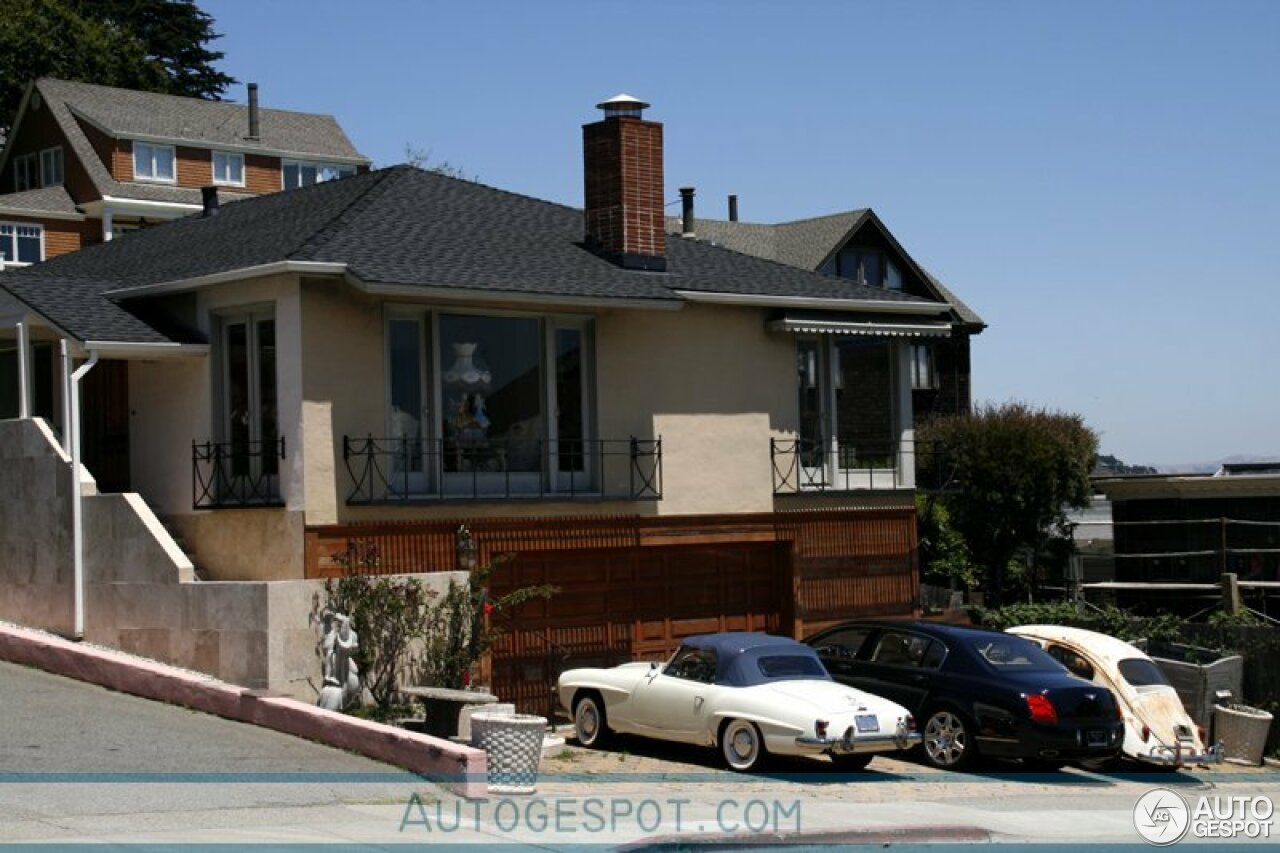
1100	180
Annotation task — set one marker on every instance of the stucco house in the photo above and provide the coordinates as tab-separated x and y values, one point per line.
388	355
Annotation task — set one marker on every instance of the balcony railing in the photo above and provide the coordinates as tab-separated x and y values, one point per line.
227	474
805	465
406	470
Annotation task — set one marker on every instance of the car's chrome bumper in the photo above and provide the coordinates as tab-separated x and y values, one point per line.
851	744
1175	756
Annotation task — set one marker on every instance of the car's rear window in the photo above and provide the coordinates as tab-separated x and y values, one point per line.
1015	653
791	666
1141	673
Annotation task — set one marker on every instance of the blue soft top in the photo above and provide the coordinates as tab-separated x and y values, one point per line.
738	655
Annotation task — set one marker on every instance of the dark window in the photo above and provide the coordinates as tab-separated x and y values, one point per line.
1141	673
791	666
843	643
693	665
1015	653
1075	663
899	648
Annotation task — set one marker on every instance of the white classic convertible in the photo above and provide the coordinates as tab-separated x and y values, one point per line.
748	694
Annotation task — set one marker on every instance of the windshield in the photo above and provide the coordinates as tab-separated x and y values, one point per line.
1014	653
791	666
1142	673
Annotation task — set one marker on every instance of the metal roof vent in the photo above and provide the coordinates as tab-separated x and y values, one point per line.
623	106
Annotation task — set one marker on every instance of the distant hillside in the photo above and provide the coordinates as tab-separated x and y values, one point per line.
1211	467
1109	465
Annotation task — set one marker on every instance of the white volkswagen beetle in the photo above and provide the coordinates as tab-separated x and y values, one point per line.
748	694
1157	728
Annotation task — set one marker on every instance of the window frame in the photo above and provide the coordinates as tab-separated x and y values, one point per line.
230	156
57	157
14	236
929	380
433	480
26	172
154	148
344	171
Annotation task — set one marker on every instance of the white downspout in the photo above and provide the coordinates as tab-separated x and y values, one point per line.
77	496
65	354
24	371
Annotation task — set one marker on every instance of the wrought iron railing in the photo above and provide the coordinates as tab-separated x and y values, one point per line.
813	465
226	474
400	470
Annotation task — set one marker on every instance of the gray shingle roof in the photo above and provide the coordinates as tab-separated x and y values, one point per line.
125	113
55	200
803	243
405	227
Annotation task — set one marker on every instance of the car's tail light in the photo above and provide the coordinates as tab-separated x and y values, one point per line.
820	728
910	722
1042	710
1146	733
1204	734
1119	712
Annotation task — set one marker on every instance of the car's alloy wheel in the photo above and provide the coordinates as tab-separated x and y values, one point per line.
590	723
742	745
946	741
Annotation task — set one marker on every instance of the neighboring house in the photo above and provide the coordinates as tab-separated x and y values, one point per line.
856	245
85	163
1173	529
389	355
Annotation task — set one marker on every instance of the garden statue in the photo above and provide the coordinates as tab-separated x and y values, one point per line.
341	687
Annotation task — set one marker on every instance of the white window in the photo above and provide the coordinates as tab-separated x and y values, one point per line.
51	167
923	375
228	168
299	173
153	162
26	172
21	244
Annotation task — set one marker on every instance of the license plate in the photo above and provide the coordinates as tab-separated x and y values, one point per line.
1096	737
867	723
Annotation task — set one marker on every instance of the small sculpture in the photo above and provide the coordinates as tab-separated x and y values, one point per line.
342	686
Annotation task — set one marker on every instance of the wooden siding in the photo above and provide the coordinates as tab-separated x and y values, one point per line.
631	587
61	235
261	174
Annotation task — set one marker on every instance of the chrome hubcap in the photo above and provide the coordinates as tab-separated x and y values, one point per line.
944	738
588	721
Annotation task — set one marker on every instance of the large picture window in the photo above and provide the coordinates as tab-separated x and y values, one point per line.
489	403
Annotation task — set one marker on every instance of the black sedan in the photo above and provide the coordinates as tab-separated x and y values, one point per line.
976	692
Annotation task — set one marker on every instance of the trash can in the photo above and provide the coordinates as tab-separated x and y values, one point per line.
1243	731
513	746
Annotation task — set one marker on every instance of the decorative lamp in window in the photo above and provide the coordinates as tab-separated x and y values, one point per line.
153	162
228	168
51	167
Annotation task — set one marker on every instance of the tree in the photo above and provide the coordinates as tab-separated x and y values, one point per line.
1011	472
152	45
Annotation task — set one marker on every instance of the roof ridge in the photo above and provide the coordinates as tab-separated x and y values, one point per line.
349	211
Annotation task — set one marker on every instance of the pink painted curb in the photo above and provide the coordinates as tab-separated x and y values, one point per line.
463	766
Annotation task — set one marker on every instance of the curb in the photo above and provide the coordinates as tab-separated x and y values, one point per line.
860	837
462	768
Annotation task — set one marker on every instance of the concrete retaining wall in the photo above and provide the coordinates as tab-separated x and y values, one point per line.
141	595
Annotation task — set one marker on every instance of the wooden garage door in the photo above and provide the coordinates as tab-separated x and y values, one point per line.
618	605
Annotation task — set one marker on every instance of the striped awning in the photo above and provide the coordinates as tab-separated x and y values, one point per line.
830	323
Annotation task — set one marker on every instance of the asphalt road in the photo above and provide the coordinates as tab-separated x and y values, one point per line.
82	764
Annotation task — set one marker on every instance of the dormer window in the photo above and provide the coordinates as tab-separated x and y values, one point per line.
153	162
228	168
300	173
26	173
51	167
870	267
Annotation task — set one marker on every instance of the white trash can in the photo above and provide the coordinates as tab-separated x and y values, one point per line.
1243	731
513	746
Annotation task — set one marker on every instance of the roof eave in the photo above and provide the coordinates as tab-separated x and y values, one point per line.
827	303
471	295
313	268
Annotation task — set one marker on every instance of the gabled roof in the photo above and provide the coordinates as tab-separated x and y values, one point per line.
407	231
128	114
807	244
46	201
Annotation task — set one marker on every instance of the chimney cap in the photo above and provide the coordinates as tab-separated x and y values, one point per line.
623	105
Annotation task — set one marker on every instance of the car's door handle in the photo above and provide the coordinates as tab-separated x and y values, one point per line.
697	703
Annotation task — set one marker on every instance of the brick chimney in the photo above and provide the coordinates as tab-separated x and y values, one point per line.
622	160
